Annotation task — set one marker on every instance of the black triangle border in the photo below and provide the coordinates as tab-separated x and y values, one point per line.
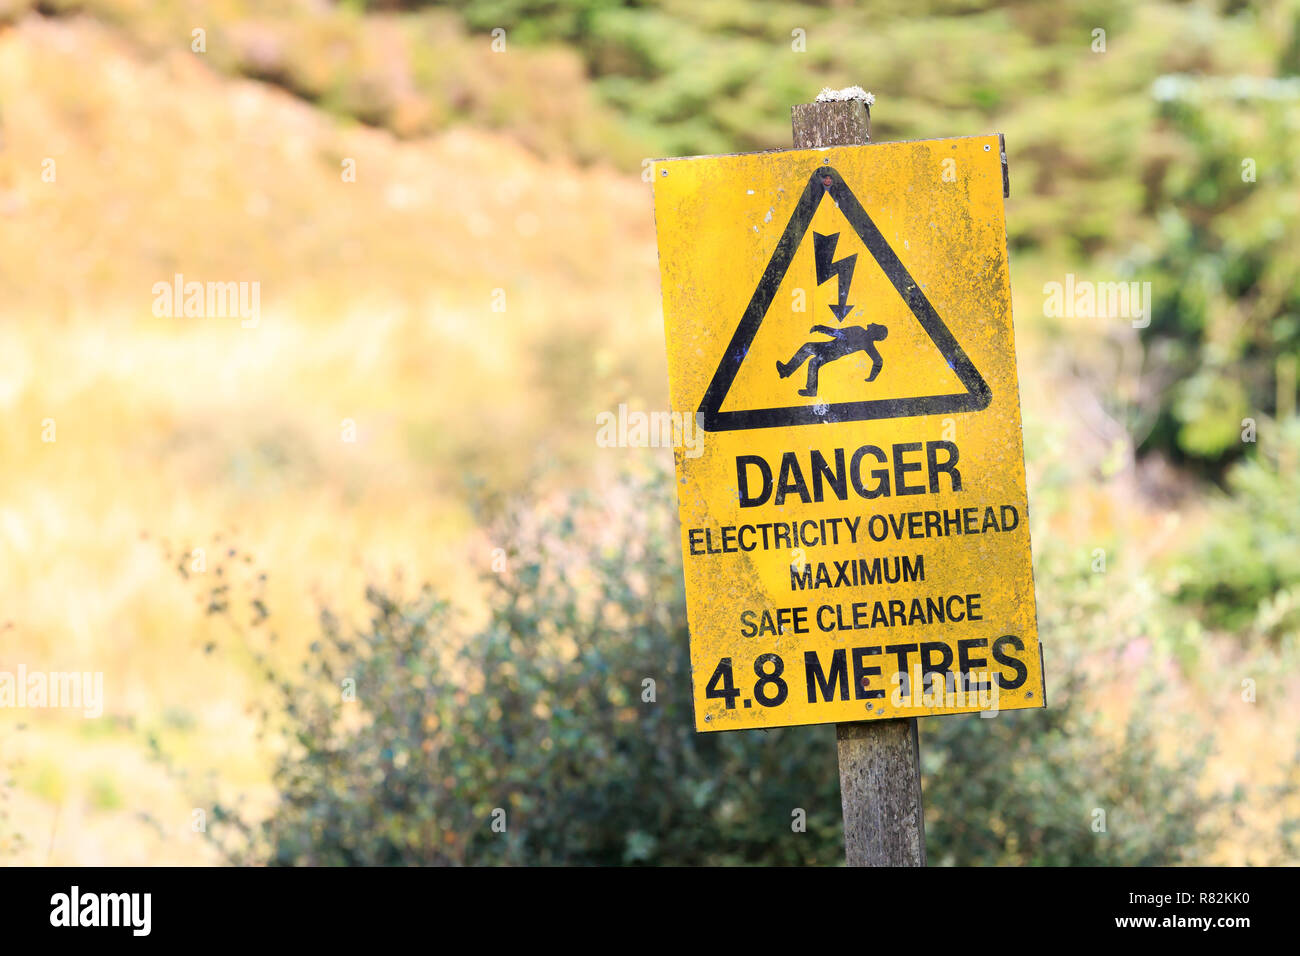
976	397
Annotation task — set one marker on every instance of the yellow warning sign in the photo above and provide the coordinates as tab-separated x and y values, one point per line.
855	531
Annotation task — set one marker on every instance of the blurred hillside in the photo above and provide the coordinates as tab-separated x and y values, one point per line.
488	283
176	434
1130	128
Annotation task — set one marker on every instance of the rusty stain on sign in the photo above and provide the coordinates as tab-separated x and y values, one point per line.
855	533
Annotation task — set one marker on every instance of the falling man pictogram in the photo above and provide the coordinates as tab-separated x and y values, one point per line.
844	341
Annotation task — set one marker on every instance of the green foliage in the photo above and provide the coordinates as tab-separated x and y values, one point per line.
1224	270
539	712
1244	571
1167	156
1034	787
698	78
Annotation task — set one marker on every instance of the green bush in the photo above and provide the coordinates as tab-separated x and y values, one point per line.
540	718
1037	787
1223	266
1244	571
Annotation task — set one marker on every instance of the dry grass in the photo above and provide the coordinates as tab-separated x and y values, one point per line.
376	301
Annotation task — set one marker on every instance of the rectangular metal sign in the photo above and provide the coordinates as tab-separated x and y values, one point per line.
854	530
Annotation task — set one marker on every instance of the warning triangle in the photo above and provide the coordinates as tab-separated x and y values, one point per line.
826	181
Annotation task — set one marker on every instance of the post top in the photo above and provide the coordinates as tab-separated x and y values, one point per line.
849	93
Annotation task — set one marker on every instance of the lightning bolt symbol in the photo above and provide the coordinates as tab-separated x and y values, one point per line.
823	251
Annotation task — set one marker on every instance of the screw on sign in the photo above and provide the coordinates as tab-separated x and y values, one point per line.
855	533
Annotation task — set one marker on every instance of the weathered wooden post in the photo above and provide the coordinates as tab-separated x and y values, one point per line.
880	760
